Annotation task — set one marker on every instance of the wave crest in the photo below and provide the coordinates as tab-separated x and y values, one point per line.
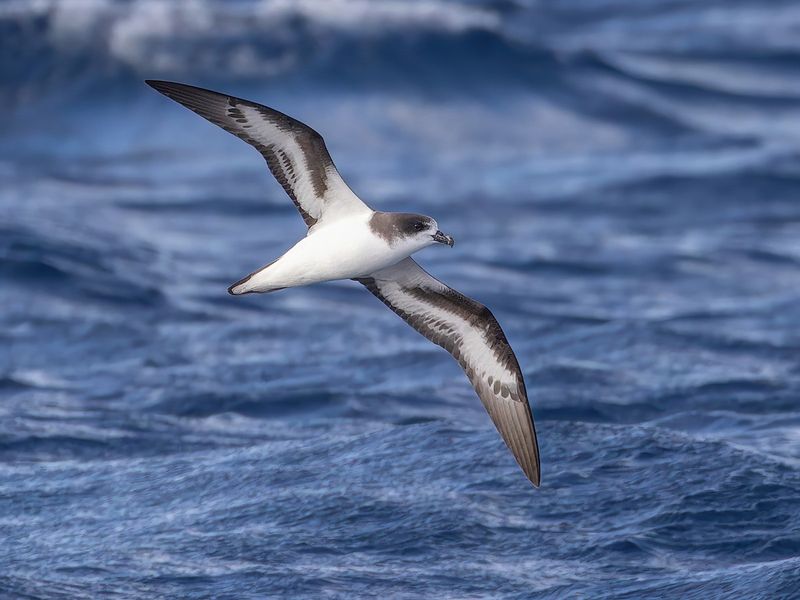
239	39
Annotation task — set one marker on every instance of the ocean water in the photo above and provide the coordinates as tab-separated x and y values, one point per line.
622	178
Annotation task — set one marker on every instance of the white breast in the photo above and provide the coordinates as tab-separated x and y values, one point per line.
345	249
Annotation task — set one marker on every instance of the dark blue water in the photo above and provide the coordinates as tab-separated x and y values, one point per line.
623	180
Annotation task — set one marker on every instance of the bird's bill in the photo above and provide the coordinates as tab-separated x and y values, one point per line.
443	239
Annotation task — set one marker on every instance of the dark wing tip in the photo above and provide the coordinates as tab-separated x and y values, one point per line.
535	475
174	91
531	468
161	86
183	92
514	422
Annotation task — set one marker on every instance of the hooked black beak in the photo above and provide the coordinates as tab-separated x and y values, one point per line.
443	239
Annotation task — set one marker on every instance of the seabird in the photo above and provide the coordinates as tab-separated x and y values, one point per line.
346	239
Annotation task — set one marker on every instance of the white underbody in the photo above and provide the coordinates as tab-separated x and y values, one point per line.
344	249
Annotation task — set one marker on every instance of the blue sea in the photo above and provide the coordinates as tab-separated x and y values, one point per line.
622	178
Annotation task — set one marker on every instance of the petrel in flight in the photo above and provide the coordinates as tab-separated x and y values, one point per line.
346	239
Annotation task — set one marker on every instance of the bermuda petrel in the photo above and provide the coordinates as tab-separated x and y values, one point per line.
346	239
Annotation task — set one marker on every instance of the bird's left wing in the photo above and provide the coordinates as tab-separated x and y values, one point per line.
295	154
468	331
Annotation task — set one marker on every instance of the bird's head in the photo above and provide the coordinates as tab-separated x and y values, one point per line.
419	231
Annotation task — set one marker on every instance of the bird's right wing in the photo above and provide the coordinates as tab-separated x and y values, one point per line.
468	331
295	153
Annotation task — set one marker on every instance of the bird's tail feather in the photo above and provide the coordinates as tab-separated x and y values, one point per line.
247	285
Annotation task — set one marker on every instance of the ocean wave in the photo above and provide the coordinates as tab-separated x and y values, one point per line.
94	47
623	189
228	40
656	520
66	268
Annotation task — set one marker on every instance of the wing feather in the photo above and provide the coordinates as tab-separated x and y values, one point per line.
295	154
468	331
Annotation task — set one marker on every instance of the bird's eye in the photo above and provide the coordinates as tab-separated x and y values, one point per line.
419	226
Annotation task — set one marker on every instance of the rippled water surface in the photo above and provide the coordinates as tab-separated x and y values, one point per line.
622	178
